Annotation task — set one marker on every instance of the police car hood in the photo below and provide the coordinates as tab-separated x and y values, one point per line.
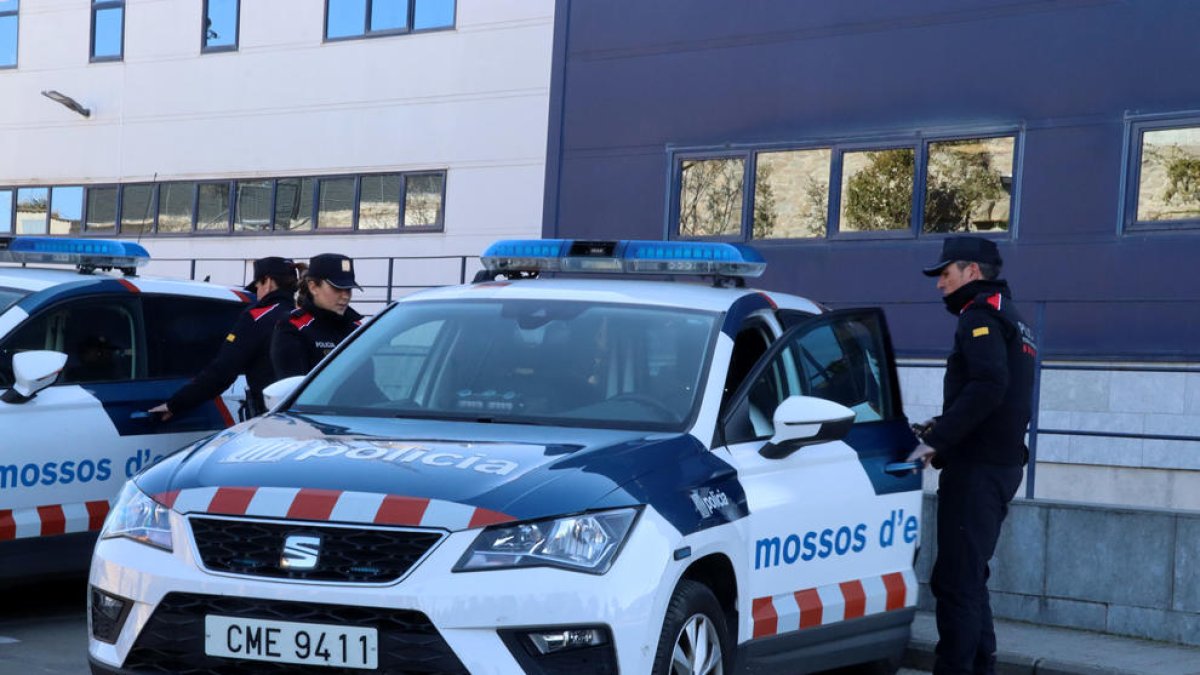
454	475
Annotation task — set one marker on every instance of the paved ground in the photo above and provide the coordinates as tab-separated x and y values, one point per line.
1028	649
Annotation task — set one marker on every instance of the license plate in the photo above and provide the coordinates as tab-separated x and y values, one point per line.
311	644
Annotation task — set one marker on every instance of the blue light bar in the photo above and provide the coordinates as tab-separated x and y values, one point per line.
624	257
86	254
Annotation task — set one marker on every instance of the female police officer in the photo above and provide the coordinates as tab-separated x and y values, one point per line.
246	347
322	320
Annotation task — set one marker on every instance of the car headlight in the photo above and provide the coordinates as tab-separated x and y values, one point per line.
139	518
586	543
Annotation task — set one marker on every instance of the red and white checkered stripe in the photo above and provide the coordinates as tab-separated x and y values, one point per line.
811	607
52	519
330	505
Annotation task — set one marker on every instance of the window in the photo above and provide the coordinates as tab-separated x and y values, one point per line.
66	210
423	196
336	209
108	30
294	204
6	211
101	210
253	206
347	19
379	205
710	197
383	202
33	207
886	189
212	207
1164	180
96	334
841	357
137	209
184	334
176	204
8	33
220	25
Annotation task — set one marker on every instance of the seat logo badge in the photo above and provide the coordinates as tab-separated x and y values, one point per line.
300	552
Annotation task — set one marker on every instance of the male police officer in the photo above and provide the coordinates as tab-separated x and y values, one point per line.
247	346
978	442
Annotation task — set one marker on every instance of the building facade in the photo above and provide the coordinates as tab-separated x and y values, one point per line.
846	140
408	134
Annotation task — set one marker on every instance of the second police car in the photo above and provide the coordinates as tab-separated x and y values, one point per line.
540	475
83	355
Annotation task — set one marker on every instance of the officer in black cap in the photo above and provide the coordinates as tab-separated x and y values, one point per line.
322	320
247	346
978	443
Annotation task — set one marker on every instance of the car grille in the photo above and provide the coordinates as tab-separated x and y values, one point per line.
173	639
352	554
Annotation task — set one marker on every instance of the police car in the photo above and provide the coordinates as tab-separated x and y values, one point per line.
573	474
83	355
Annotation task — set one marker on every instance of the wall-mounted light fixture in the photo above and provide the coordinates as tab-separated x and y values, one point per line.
67	101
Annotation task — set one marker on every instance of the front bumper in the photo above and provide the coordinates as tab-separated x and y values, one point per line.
431	621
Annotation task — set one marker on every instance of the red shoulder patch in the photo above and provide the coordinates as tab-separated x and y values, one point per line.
302	321
258	312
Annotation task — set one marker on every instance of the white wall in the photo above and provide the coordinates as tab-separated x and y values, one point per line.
472	101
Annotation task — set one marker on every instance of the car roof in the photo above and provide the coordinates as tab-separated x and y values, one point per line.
684	294
36	279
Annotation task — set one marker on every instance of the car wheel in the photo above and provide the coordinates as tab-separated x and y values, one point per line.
694	639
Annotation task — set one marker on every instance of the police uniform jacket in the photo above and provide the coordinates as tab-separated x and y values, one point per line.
989	380
246	350
308	334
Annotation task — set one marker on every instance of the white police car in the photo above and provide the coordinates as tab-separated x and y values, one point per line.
82	357
544	476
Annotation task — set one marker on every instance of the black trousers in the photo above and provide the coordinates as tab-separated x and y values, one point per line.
972	503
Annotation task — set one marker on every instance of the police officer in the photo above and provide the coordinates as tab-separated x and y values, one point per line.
322	320
978	442
247	346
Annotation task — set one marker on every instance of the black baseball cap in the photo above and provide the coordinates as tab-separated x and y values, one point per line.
271	266
967	249
334	268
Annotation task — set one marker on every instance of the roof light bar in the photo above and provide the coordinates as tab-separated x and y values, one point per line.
624	257
85	254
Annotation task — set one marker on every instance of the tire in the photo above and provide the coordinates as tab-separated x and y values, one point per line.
694	639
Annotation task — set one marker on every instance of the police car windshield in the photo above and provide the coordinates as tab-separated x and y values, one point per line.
553	362
10	296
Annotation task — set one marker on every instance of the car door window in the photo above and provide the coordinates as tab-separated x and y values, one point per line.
183	334
842	357
98	335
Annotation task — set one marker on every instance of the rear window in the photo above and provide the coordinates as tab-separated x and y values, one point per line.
184	334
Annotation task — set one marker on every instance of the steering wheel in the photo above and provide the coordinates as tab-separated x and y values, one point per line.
647	401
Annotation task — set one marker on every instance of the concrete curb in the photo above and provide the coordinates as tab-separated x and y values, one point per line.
920	655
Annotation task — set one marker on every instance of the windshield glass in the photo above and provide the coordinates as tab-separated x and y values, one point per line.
522	361
9	297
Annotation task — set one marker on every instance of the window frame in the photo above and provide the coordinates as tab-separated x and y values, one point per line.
16	12
237	31
153	227
97	6
1135	128
917	142
411	6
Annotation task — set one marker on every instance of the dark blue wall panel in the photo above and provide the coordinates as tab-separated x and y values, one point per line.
636	79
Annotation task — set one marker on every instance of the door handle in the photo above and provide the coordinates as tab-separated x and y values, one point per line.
139	415
901	468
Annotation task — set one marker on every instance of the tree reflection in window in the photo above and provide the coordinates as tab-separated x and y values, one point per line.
968	185
1169	179
710	197
877	190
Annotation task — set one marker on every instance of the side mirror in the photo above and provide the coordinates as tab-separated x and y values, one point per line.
805	420
280	390
33	372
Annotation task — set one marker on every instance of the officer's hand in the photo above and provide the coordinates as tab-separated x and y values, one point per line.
164	413
922	452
